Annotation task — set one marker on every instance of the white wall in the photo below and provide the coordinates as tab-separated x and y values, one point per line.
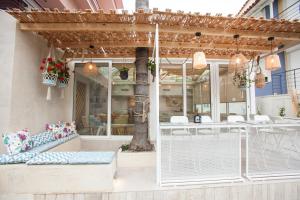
270	105
22	96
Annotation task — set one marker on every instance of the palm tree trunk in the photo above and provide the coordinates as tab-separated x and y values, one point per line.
140	141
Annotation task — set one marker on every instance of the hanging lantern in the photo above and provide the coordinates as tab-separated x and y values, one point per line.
272	62
260	80
90	68
237	62
199	59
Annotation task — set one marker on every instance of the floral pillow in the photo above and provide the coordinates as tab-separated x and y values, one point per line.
17	142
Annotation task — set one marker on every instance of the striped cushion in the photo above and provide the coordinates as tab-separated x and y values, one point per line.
64	158
42	138
18	158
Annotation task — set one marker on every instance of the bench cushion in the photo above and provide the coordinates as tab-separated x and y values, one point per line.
18	158
26	156
73	158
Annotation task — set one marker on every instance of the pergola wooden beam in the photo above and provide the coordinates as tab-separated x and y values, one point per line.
163	44
121	27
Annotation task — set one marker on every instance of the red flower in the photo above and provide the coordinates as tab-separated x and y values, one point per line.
49	69
61	78
42	68
49	59
44	61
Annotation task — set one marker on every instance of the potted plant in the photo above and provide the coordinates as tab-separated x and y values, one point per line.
63	74
151	66
124	73
282	111
241	80
49	71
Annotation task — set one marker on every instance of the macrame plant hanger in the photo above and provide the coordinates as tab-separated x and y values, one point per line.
49	79
62	84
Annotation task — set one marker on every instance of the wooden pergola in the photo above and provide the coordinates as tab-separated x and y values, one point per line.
118	34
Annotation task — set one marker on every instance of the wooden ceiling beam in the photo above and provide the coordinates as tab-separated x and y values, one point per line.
122	27
184	45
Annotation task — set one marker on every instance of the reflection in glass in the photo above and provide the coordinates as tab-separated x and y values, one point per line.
233	99
91	100
122	101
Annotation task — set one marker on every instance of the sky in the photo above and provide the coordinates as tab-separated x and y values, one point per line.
202	6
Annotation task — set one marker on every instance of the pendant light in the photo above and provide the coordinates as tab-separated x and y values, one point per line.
199	60
238	61
90	68
272	62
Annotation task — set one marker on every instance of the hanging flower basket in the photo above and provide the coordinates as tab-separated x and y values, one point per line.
49	79
63	74
49	71
241	80
62	83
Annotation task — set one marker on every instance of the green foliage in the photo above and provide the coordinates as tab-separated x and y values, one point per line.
125	147
124	69
151	65
282	111
241	79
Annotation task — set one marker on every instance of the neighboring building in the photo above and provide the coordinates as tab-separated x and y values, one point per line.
285	80
64	4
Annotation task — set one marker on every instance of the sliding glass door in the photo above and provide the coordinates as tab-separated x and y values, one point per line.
232	97
92	98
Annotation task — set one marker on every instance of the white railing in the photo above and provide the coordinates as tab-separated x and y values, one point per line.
194	153
273	151
197	153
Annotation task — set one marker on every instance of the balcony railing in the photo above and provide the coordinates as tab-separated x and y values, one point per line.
291	12
282	81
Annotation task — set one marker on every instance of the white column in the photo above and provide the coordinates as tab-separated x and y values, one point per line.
215	92
184	89
158	148
271	10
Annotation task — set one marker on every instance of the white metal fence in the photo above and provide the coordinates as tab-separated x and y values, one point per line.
206	153
273	151
218	152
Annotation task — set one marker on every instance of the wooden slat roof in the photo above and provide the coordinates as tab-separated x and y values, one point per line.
118	34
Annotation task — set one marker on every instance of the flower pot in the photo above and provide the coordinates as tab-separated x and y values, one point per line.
63	83
49	79
124	75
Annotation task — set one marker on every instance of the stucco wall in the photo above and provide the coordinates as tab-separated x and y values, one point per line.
270	105
22	96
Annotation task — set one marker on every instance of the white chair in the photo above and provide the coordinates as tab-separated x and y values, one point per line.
262	118
235	118
179	120
206	119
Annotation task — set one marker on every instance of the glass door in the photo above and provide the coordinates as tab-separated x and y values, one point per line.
232	97
198	91
92	98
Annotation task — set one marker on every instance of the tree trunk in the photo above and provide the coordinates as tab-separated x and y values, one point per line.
142	4
140	141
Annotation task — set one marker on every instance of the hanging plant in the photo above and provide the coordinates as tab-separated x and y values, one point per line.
259	77
124	73
49	71
63	74
282	111
241	80
152	66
